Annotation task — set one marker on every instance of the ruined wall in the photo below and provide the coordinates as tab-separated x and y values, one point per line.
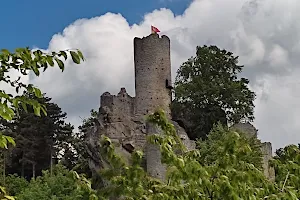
267	156
152	73
153	156
266	148
120	105
117	111
247	128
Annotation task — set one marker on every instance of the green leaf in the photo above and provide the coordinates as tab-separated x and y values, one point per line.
35	70
64	54
60	64
9	197
10	140
50	61
75	57
24	106
43	108
80	55
37	110
3	142
37	92
15	102
30	88
5	113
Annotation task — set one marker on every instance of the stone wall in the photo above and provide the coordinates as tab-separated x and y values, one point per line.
127	132
267	156
266	148
120	105
247	128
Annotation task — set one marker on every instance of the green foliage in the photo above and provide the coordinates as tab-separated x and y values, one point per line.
208	91
62	184
230	148
39	138
227	173
15	184
76	157
89	122
24	61
6	140
286	163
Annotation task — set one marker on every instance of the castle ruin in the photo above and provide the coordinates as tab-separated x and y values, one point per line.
122	117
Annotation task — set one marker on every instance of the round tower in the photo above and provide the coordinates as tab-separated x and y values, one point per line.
152	74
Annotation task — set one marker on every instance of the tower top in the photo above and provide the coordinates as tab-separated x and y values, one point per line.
152	36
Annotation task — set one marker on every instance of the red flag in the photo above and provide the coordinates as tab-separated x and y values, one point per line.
154	29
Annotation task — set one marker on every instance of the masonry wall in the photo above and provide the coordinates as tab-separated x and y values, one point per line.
269	171
152	70
266	148
246	128
120	105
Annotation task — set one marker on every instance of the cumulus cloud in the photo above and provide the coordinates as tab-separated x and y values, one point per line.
266	39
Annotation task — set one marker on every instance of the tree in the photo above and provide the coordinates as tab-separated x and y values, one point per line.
208	91
40	140
76	158
225	145
25	61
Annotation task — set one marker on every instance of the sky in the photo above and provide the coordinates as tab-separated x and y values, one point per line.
265	34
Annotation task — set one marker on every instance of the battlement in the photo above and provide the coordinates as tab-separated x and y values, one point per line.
150	38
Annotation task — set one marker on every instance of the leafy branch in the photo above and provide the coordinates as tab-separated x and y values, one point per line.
26	61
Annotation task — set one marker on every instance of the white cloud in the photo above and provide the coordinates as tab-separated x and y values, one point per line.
265	38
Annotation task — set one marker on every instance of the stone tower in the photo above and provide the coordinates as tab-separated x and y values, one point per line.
152	74
153	89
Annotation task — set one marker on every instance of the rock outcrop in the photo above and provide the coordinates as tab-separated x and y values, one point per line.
128	132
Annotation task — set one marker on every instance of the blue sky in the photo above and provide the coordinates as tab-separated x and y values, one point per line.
33	22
